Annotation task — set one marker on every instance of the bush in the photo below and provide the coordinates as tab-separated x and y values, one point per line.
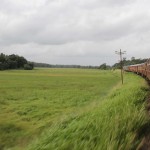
28	66
12	62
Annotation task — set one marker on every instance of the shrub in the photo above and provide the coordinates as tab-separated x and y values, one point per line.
28	66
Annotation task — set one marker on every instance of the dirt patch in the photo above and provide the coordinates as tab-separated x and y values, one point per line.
145	144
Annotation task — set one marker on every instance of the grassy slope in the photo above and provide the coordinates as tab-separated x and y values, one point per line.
31	101
112	125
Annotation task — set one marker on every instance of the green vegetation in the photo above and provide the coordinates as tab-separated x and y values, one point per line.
133	61
28	66
14	62
70	109
31	101
104	67
44	65
113	124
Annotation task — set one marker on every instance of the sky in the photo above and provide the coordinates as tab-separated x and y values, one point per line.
82	32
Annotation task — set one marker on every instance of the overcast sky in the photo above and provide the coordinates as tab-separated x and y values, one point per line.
84	32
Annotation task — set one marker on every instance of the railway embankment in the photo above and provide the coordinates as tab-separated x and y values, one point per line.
144	132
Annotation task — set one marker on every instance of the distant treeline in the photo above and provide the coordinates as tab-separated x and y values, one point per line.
62	66
125	62
103	66
133	61
14	62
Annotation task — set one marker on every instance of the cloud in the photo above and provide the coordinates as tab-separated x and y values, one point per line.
74	29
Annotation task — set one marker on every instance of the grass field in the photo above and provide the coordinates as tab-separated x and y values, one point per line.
70	109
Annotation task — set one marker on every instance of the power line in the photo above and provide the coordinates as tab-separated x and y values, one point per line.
121	62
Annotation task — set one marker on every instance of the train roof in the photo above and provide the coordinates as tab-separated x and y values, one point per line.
138	64
135	65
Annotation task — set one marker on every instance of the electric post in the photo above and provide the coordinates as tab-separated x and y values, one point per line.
121	62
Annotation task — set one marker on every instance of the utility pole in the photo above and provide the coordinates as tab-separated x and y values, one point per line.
121	62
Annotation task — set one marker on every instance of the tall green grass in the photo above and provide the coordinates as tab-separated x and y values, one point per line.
110	125
34	101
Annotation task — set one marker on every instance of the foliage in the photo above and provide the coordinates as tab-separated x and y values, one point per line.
13	62
133	61
44	65
28	66
104	66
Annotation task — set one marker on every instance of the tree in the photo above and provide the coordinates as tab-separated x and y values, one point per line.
28	66
103	66
2	58
132	61
132	58
12	62
3	62
18	59
21	61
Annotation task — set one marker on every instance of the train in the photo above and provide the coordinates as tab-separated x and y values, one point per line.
141	69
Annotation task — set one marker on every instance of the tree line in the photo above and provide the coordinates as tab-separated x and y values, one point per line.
103	66
132	61
125	62
63	66
18	62
14	62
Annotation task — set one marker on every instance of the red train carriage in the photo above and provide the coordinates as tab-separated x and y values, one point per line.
133	68
148	69
142	69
